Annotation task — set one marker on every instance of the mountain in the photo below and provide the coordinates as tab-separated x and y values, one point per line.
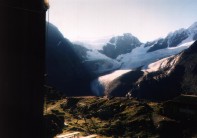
64	67
102	83
175	75
131	53
98	63
139	57
69	64
150	52
94	61
120	45
174	39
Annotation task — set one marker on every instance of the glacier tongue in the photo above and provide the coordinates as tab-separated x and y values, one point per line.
99	85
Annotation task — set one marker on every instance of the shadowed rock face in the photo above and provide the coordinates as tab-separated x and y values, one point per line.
160	44
158	86
195	37
182	78
189	61
192	49
69	65
64	66
120	45
154	86
173	39
123	84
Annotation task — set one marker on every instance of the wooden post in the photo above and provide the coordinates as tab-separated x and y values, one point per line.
22	47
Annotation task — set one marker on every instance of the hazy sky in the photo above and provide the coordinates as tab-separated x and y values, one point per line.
145	19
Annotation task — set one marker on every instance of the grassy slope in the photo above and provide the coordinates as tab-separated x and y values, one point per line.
115	117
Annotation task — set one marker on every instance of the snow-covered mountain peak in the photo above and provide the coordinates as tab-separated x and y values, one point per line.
140	57
125	37
120	45
129	35
179	31
176	37
193	28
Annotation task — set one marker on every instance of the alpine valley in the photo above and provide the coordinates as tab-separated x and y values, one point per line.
156	70
123	87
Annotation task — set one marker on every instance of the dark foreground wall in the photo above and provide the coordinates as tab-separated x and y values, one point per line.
22	43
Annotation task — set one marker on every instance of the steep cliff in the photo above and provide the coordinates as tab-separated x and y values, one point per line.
64	67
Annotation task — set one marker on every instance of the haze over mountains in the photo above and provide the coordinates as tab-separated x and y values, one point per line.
77	62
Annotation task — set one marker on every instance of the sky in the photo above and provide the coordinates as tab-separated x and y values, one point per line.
145	19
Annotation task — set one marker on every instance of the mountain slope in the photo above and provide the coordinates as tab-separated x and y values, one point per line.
175	78
63	66
175	38
140	57
120	45
178	75
71	64
95	62
131	53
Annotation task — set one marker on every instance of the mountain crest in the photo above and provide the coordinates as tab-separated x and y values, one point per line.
193	26
120	45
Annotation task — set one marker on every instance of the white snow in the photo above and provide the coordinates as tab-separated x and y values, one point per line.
155	66
171	36
104	63
106	79
139	56
99	85
161	64
187	41
193	28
